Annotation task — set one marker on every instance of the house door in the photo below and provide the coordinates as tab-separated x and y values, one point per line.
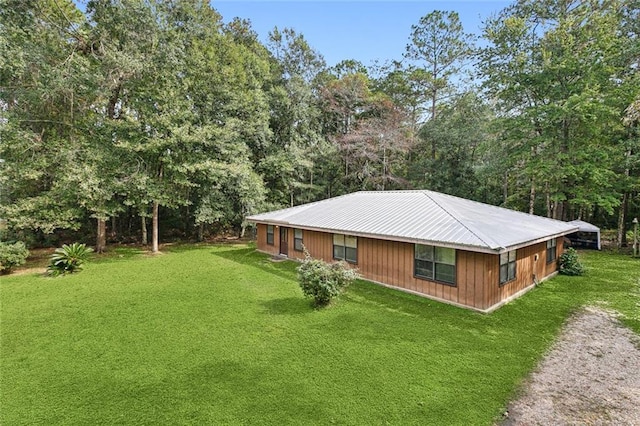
284	239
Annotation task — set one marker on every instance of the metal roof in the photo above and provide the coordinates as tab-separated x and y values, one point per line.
422	217
585	226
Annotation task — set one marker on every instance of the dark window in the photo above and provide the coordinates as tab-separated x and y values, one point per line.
435	263
551	250
297	239
270	234
345	247
507	266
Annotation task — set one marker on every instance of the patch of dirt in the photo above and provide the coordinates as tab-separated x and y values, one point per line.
26	271
36	262
278	259
591	376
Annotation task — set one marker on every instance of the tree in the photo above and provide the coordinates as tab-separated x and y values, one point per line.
370	132
408	88
438	46
555	69
629	181
118	40
461	129
236	113
45	89
288	164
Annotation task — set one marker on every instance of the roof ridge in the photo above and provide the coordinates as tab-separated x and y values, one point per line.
549	219
305	205
480	237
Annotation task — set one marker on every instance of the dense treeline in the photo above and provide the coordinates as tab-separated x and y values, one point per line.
137	115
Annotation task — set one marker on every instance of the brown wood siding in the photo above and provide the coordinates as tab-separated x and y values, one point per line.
318	244
262	240
392	263
528	271
552	267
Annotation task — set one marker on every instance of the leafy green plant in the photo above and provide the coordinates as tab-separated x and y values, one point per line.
12	254
68	258
570	264
323	281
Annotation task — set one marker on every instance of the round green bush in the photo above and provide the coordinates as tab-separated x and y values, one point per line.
322	281
570	264
12	254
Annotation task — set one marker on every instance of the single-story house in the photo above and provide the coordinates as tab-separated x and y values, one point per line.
587	235
435	245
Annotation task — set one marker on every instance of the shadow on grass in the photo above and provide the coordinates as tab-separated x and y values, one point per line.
115	254
184	246
249	256
288	306
392	300
525	311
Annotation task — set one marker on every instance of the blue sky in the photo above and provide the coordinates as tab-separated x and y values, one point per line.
362	30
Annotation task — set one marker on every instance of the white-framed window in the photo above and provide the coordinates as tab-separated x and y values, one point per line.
345	247
297	239
270	234
435	263
551	250
507	266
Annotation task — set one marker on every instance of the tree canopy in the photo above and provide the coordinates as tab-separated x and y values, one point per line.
132	114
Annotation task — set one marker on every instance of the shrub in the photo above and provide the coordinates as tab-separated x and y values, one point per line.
569	263
323	281
68	259
12	254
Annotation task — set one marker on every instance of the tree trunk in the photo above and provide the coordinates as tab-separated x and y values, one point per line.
187	222
154	228
201	231
505	187
113	233
548	199
101	239
384	167
434	143
622	219
559	209
145	239
532	197
622	216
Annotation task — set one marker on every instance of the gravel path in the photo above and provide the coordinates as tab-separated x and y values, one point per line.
590	377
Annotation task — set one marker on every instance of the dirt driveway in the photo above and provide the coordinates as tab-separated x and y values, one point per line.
591	376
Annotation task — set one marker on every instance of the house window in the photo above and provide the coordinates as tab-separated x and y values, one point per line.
345	247
297	239
270	234
551	250
507	266
435	263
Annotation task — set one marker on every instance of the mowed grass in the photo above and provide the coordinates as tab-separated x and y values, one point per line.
222	335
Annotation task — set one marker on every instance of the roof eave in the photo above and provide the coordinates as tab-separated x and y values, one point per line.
538	240
479	249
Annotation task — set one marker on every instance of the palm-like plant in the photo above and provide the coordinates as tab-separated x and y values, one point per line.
68	258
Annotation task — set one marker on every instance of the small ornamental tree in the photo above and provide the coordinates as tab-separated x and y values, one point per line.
12	255
323	281
68	259
569	263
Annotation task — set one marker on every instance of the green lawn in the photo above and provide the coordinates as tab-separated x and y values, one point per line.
222	335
